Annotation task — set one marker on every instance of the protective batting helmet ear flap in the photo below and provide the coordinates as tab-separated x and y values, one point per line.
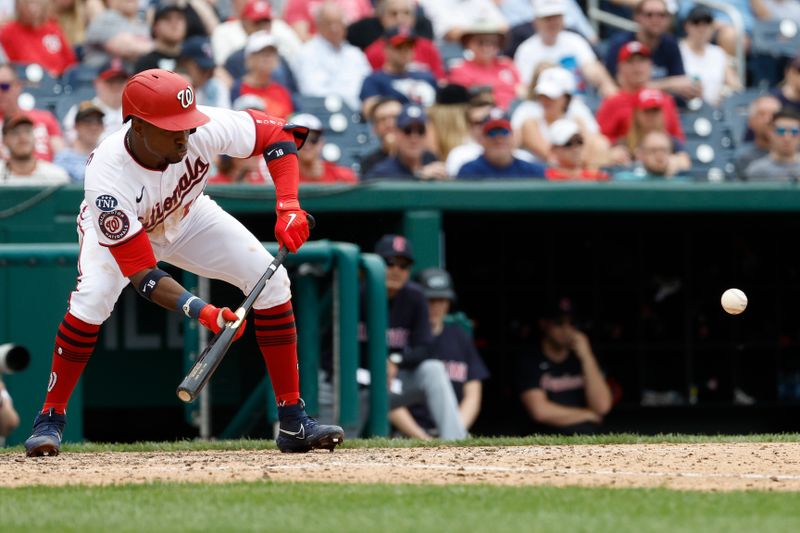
162	98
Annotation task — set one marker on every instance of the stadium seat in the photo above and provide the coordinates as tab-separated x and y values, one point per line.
735	109
776	38
452	53
65	103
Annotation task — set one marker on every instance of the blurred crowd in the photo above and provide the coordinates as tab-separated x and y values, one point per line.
419	89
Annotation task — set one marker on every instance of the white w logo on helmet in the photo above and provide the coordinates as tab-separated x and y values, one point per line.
186	97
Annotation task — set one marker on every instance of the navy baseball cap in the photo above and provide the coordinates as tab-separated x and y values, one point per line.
411	114
557	308
394	246
198	49
436	283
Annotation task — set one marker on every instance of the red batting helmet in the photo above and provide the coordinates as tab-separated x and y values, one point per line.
162	98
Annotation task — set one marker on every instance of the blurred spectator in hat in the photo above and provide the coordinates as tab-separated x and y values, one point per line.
759	121
726	35
423	378
568	154
22	167
117	32
169	31
328	64
251	16
451	18
783	161
196	63
668	74
776	9
561	384
383	120
454	347
553	44
367	34
302	14
46	131
34	37
201	15
789	91
447	121
396	79
74	16
484	40
615	114
551	96
653	160
497	159
108	86
261	55
520	15
705	61
88	129
411	158
313	168
648	116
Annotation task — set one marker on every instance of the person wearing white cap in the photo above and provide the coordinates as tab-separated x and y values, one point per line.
550	98
313	168
553	44
261	58
568	154
451	18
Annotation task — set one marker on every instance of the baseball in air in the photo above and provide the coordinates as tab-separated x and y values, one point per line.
734	301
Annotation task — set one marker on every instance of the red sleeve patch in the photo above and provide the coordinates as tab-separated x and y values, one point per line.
114	224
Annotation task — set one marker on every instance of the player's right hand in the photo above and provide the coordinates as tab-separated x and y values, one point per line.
291	229
214	318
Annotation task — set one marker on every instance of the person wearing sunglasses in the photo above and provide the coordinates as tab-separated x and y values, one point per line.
412	159
497	159
655	24
560	382
783	161
313	168
569	152
415	376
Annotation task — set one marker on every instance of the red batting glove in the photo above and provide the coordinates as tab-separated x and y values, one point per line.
214	318
291	229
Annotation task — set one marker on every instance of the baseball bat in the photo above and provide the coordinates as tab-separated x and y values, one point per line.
209	360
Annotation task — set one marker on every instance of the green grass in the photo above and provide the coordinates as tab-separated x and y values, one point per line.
535	440
268	506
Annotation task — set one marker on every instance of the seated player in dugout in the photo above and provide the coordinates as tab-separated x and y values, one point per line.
561	384
144	203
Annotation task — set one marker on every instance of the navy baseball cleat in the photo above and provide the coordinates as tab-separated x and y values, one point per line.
46	438
299	433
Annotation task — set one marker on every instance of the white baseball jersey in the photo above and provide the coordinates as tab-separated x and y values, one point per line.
184	226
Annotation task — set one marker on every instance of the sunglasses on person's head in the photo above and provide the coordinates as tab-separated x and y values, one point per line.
418	129
399	262
783	131
498	132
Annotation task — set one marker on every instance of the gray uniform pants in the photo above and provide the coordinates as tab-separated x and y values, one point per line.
429	384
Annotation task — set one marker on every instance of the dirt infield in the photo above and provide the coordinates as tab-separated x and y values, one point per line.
741	466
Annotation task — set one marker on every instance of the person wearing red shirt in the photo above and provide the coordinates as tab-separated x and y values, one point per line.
34	38
313	168
615	113
301	14
485	41
46	132
261	58
567	146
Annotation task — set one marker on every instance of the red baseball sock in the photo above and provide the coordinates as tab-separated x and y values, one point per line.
277	339
75	343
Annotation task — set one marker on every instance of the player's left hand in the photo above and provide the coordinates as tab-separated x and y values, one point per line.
214	318
291	229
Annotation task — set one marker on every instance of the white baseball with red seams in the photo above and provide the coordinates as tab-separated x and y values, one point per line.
734	301
185	227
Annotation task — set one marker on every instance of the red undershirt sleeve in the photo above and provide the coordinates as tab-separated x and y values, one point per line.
134	254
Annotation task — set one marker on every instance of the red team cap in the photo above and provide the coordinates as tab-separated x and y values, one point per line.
257	10
162	98
650	99
633	48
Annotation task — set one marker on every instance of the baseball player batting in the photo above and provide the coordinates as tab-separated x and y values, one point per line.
144	203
